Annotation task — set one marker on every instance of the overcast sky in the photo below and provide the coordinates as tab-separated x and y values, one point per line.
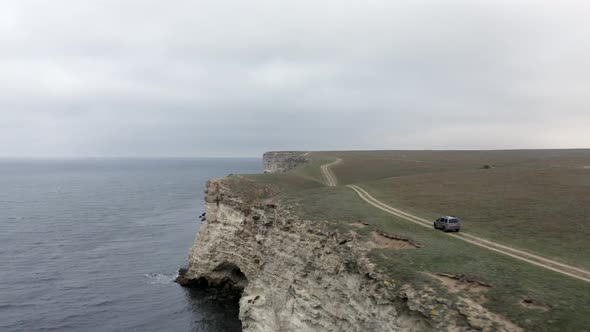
237	78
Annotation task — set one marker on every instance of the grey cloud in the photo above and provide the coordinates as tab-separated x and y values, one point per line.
234	78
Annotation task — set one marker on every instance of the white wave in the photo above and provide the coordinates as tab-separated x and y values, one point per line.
160	278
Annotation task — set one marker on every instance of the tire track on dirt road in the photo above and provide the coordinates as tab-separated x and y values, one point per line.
329	177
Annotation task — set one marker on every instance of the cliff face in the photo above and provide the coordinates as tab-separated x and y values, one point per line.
279	162
295	274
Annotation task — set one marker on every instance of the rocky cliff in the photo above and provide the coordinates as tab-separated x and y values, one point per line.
295	274
280	162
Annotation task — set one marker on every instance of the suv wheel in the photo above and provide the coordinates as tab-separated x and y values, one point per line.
434	225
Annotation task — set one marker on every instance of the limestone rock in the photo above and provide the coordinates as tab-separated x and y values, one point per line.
280	162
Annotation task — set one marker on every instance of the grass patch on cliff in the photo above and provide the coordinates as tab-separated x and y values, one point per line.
511	280
312	169
288	183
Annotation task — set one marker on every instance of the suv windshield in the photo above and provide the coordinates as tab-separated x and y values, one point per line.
453	221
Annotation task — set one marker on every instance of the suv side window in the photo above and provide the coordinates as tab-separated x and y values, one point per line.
444	220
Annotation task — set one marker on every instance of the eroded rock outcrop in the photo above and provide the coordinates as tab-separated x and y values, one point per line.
280	162
295	274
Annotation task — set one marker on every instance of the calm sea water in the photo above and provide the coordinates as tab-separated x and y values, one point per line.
94	244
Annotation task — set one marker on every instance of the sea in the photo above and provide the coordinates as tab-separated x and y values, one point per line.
95	244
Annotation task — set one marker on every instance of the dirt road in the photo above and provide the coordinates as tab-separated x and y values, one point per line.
329	177
571	271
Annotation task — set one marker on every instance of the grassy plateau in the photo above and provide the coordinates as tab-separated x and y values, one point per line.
533	200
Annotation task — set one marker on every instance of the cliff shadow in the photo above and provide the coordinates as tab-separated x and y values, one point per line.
212	310
214	298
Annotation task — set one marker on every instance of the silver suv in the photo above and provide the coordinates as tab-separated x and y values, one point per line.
447	223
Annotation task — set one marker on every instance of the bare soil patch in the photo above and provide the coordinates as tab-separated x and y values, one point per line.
360	224
384	240
531	304
461	283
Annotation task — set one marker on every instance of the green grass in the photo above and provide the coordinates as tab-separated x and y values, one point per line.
537	200
312	170
363	166
544	210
